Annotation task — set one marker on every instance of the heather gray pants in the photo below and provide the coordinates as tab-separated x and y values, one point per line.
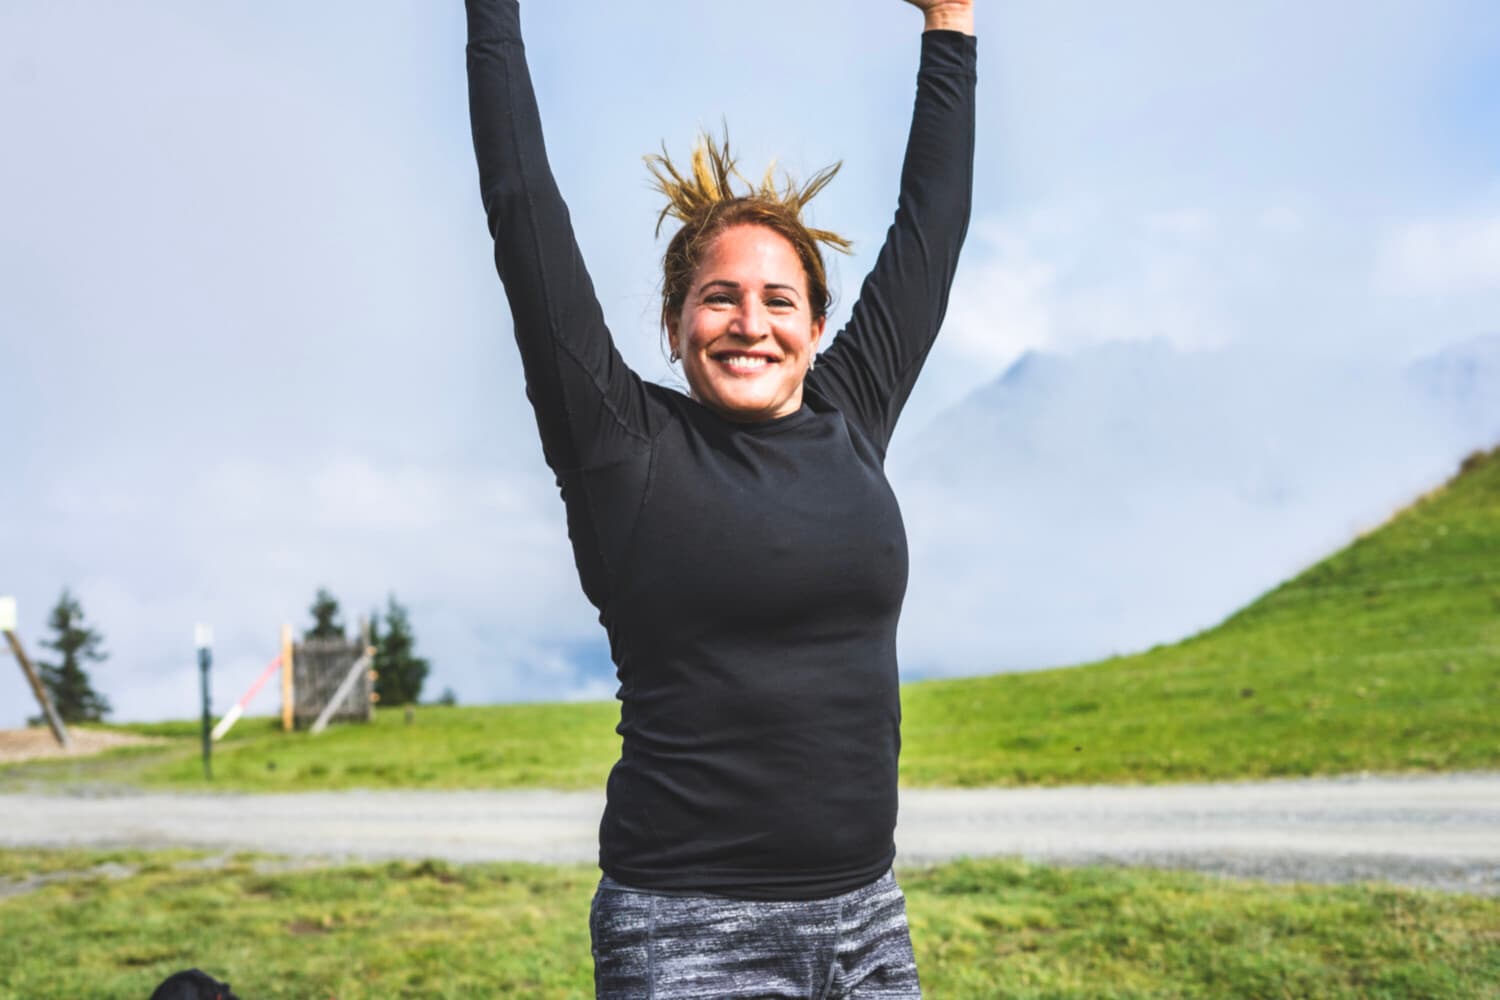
653	946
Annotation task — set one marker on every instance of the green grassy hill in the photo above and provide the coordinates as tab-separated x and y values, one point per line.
1386	657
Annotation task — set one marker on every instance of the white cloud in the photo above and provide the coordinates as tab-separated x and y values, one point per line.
1283	220
1059	279
1183	225
1005	303
1442	257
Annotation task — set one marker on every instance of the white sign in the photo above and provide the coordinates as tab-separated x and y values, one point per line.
7	614
203	636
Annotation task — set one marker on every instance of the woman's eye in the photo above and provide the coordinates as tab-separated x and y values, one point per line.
718	299
780	303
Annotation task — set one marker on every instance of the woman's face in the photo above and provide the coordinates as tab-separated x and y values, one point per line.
746	332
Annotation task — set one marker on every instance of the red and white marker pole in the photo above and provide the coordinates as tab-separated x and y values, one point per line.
233	716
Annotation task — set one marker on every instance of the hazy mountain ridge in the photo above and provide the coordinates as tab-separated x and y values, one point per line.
1463	382
1199	489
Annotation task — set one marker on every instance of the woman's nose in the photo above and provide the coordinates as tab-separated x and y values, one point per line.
753	321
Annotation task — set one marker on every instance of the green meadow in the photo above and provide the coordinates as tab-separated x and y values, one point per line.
1383	657
982	929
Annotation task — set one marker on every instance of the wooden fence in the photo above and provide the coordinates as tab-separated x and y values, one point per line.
319	667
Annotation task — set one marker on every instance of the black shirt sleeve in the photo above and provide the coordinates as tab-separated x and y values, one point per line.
870	369
591	409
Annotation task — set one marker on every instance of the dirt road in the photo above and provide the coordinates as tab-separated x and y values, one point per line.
1438	831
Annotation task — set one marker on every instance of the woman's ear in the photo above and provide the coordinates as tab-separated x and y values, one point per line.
818	326
673	323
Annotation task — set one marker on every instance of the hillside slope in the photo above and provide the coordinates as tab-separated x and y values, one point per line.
1385	656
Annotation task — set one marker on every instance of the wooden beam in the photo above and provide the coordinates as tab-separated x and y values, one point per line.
347	685
288	703
37	688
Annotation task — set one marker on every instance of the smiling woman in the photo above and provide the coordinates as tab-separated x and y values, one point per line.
746	333
741	543
744	289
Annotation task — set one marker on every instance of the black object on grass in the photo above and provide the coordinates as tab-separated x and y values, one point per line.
193	984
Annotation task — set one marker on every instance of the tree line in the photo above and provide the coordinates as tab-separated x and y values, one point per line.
400	673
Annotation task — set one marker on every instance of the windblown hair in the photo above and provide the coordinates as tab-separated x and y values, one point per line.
704	200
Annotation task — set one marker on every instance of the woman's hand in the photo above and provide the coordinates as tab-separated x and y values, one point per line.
946	15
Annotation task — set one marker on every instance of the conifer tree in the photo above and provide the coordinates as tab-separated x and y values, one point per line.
67	682
325	612
399	672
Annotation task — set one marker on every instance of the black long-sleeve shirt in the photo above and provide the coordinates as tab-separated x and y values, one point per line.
749	576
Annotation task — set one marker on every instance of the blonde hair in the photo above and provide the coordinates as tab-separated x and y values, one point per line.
704	200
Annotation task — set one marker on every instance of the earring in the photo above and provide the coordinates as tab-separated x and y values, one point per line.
812	363
673	356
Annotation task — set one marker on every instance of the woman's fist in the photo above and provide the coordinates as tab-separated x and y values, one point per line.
948	15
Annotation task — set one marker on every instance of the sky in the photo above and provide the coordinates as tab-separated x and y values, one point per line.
252	343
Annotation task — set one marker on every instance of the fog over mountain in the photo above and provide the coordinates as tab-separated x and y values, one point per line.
1133	493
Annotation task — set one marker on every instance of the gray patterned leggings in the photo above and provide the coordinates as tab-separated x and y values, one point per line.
654	946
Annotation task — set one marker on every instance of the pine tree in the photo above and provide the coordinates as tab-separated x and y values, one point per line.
67	682
399	674
325	612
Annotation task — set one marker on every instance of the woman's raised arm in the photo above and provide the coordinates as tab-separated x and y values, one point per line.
589	405
874	361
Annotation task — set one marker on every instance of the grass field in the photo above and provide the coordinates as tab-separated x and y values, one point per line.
987	929
1384	657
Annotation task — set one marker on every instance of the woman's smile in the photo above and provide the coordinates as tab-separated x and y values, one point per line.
745	364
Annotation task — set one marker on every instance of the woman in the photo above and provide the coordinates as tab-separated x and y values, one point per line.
741	543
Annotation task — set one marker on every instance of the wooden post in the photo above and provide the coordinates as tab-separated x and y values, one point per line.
364	631
58	729
288	702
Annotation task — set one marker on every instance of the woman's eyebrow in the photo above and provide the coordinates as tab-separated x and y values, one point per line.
727	283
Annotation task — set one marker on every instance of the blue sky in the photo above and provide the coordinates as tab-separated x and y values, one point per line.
251	342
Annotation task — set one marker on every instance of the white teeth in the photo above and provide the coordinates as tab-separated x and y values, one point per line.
743	361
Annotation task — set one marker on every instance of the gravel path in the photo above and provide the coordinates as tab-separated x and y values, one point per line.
1435	831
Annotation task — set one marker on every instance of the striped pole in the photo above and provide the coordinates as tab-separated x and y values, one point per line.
233	715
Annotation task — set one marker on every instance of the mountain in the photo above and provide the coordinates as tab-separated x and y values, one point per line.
1105	501
1463	383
